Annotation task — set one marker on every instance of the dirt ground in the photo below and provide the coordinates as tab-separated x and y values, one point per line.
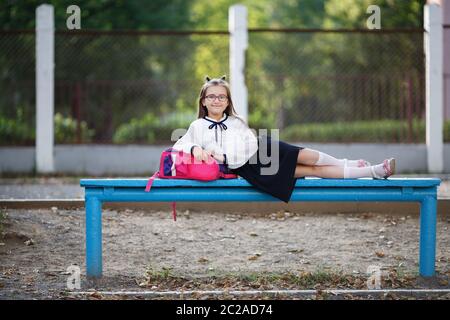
37	247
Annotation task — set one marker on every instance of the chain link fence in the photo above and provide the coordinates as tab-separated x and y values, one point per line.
340	86
137	87
17	87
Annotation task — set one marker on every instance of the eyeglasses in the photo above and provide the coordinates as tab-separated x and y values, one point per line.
212	97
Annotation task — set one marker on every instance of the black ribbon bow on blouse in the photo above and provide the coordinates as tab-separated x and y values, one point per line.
216	124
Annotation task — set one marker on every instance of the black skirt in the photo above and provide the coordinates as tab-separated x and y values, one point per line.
279	184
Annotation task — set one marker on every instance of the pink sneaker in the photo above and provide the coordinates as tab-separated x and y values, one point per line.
389	169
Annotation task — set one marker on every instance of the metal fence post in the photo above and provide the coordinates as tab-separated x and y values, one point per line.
45	33
237	26
434	87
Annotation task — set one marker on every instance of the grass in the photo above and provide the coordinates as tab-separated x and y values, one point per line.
2	220
377	131
321	279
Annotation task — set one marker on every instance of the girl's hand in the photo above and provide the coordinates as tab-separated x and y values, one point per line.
218	157
200	154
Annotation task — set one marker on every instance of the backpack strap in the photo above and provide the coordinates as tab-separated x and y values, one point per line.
150	181
149	186
174	211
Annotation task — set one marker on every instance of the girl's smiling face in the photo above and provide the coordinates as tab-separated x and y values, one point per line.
216	101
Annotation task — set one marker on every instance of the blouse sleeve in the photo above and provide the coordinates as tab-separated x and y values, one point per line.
187	142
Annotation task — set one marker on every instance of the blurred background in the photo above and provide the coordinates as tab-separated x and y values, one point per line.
132	74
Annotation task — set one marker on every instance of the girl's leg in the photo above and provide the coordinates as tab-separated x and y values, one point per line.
380	170
319	171
312	157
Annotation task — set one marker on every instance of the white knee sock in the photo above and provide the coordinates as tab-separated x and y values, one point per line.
327	160
352	173
364	172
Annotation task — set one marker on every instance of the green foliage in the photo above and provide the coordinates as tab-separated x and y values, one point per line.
258	120
151	128
137	130
153	274
389	131
66	130
105	14
394	13
284	72
3	215
15	132
18	132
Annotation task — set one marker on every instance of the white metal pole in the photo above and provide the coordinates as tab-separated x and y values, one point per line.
237	25
434	87
44	88
445	5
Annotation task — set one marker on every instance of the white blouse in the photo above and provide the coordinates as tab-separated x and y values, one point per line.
230	136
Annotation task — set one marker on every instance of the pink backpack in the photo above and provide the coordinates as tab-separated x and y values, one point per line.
175	164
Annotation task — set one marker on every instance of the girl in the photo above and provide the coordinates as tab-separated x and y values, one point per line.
221	134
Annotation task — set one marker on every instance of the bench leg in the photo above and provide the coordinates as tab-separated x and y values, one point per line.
93	237
428	208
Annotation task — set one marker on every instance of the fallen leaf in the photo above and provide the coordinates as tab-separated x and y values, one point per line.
96	295
280	214
295	250
229	237
443	282
203	260
29	242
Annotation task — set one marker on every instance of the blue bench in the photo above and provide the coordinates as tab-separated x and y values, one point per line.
98	191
